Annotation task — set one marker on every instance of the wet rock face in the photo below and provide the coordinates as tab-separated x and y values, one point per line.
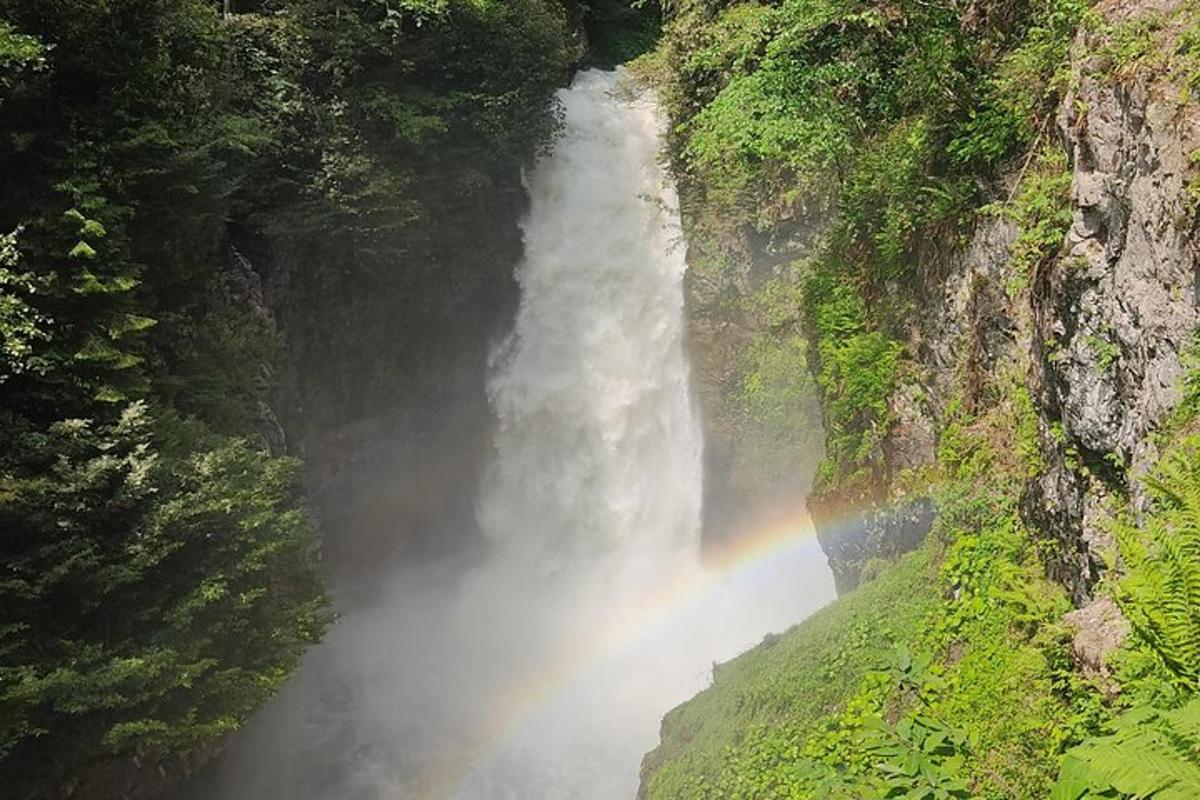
384	389
1113	313
964	331
966	325
721	329
885	532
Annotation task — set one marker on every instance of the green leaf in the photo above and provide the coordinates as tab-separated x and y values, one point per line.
82	250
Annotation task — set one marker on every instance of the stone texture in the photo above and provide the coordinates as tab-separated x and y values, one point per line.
885	531
1103	326
966	323
1113	313
1098	630
721	329
964	331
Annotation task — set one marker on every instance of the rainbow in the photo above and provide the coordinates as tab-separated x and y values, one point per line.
652	611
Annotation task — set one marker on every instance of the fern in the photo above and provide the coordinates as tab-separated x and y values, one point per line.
1161	595
1150	754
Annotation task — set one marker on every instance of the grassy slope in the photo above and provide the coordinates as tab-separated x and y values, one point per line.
794	679
946	676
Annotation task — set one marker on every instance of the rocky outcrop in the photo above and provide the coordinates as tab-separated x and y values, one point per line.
852	543
1104	324
723	326
966	331
967	325
1098	630
1114	313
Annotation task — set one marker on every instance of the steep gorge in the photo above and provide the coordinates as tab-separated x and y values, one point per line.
941	278
231	239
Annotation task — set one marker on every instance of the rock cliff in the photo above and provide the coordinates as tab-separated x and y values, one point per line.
1097	333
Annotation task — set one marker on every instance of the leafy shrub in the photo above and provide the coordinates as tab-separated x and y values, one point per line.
1020	92
1161	593
1041	210
857	369
1148	754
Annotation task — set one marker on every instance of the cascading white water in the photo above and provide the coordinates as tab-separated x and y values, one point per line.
542	673
598	446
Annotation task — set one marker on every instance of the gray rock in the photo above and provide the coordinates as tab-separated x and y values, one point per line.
1098	630
1114	312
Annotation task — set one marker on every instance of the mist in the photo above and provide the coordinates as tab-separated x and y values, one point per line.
543	668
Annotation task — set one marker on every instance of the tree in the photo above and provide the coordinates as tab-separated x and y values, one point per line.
149	602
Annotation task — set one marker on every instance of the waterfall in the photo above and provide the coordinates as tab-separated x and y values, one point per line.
598	446
542	672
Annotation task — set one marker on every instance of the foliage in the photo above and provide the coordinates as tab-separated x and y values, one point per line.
1041	210
620	30
1020	92
21	325
919	757
874	134
933	712
1148	754
777	418
1153	748
856	371
1161	593
20	54
161	569
190	584
1105	350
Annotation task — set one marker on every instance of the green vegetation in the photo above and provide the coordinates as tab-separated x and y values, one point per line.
1161	592
161	572
856	372
152	598
881	124
908	686
950	674
1041	211
769	697
1105	351
619	30
1150	753
905	687
1151	749
878	136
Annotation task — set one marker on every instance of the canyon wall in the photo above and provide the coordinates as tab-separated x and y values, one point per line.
1096	331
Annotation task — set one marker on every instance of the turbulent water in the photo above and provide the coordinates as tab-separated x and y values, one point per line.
542	673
